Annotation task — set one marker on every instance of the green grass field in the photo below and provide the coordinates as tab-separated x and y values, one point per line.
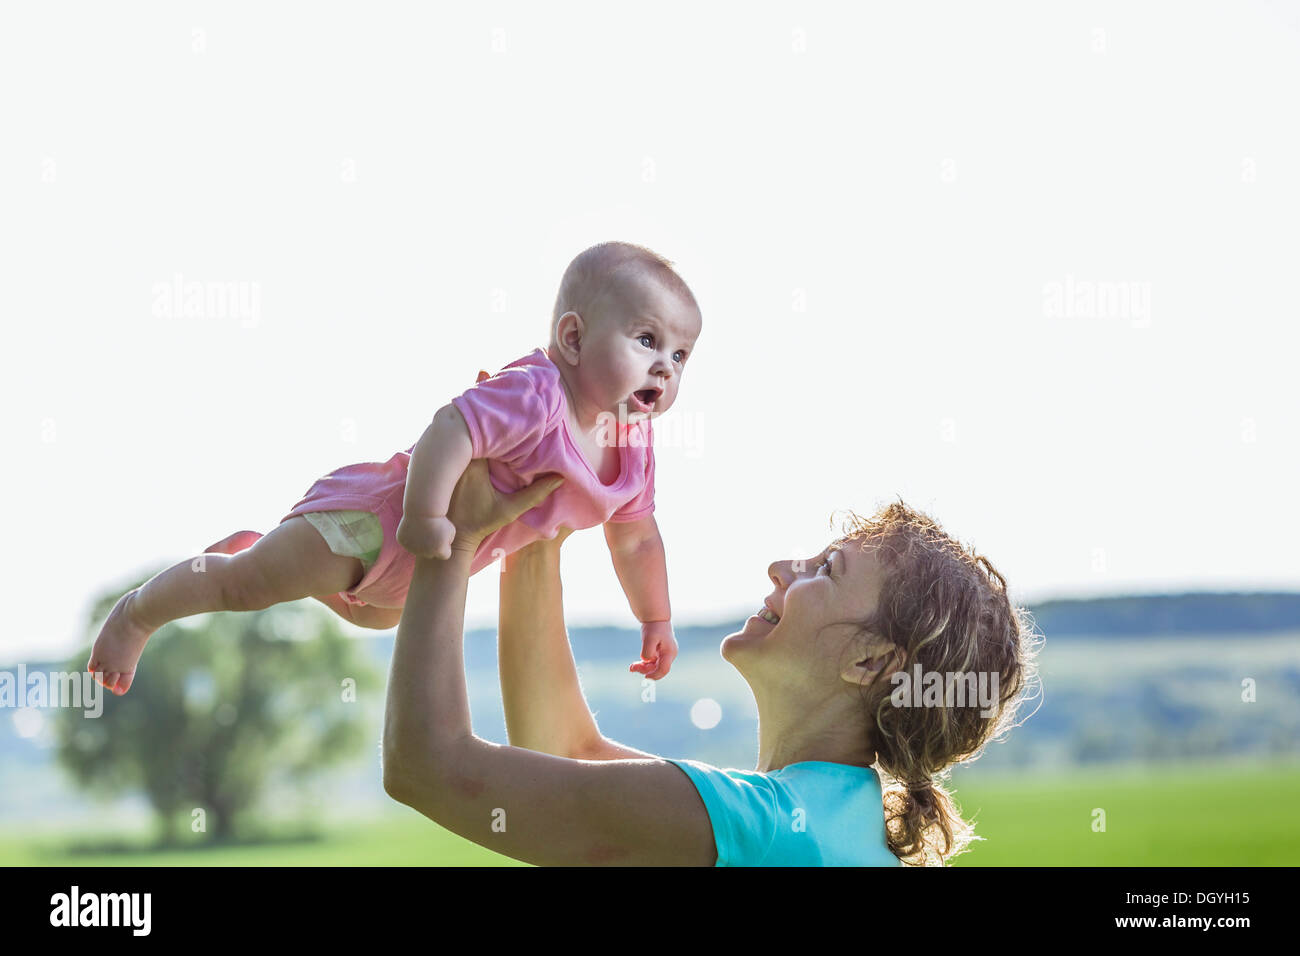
1191	815
399	840
1198	815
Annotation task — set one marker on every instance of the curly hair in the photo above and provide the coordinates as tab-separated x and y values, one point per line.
946	609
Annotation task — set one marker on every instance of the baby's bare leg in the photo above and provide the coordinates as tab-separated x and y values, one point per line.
336	604
363	615
376	618
291	562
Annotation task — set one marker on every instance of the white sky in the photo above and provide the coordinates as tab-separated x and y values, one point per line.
869	203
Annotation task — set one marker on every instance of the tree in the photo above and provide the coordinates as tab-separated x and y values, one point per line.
222	702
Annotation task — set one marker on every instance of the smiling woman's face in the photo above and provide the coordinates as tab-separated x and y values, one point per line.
810	624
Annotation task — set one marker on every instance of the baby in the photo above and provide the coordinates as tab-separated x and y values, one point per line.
623	327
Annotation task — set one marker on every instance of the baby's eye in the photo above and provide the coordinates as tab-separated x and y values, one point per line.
679	356
646	335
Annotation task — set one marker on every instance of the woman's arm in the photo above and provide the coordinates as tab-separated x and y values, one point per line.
533	807
544	706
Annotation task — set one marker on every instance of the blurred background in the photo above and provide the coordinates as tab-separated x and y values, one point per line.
1030	269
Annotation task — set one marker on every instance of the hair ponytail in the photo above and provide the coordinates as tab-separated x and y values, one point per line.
923	825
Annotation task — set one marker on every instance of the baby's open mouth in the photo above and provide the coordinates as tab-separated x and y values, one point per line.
647	396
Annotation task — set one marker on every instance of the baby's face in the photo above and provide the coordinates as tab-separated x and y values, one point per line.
637	352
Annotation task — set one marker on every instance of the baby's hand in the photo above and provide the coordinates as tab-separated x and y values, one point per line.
426	536
658	650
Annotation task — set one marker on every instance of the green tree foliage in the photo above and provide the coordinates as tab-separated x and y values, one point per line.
220	704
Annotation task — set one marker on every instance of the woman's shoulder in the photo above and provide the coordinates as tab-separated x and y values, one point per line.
800	769
812	813
824	776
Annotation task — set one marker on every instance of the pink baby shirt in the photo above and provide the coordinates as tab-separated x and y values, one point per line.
517	421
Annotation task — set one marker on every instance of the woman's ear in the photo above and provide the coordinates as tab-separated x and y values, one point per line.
568	336
872	657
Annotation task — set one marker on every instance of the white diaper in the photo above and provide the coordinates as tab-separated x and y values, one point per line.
352	534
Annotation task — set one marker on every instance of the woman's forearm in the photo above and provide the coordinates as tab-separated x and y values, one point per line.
544	707
427	710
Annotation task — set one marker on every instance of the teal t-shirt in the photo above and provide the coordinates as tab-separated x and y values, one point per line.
811	813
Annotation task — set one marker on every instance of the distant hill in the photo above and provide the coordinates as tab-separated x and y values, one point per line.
1148	615
1124	678
1153	615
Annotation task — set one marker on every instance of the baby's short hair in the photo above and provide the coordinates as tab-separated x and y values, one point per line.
594	270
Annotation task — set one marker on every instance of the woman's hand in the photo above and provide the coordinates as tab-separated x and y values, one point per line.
477	508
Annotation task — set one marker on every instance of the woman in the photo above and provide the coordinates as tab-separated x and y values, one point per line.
892	593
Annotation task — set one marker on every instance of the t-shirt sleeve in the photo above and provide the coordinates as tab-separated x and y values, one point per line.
507	414
744	811
644	503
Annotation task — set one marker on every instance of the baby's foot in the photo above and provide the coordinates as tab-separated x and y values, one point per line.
239	541
119	646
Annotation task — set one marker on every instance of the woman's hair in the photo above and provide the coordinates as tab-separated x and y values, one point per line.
946	609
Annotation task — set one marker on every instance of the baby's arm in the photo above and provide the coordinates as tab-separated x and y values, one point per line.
438	460
639	561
